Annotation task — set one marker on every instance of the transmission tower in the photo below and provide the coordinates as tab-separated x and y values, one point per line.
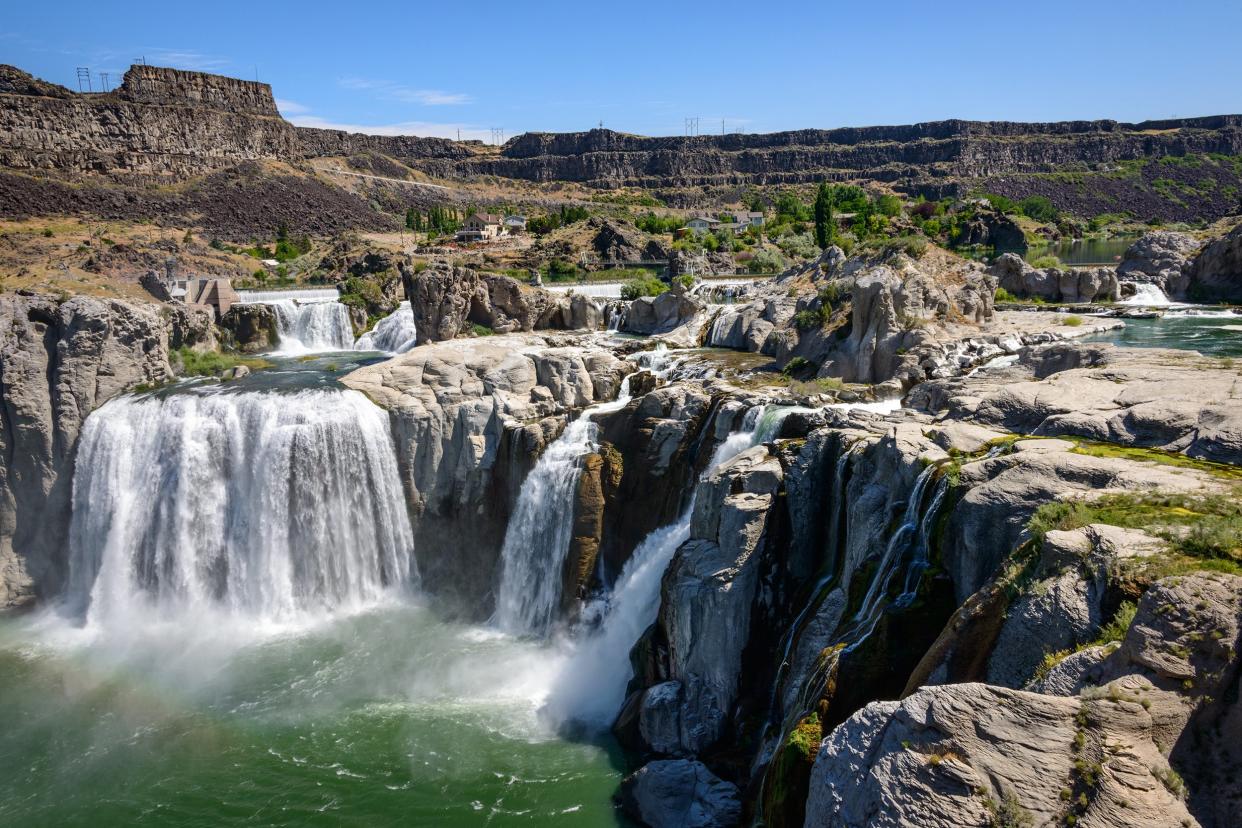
84	77
103	81
692	126
498	135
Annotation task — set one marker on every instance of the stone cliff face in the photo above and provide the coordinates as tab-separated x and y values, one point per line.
58	362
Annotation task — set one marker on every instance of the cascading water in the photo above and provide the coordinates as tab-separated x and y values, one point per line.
394	334
1147	295
268	506
314	326
593	681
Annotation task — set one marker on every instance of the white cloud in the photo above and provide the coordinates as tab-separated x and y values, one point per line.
423	129
186	59
394	91
288	107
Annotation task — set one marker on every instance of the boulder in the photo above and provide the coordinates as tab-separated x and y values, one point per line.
1161	258
680	793
1216	274
250	328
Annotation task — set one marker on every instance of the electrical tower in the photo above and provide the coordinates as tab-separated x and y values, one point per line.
103	81
692	126
498	135
84	77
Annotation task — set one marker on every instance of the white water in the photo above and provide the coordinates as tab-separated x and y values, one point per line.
1147	295
276	508
592	682
312	327
394	334
880	407
263	297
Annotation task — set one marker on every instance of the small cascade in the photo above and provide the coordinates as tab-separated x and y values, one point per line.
273	507
614	314
718	334
1147	295
594	679
394	334
263	297
773	416
313	326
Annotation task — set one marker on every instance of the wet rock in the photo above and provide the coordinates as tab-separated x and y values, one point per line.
1216	273
1161	258
250	328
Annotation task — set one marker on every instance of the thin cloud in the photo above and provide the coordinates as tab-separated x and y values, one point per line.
424	129
288	107
394	91
181	59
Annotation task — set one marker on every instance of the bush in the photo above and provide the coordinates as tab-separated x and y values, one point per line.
642	286
1045	261
47	233
1072	321
799	366
805	320
888	205
799	246
1116	629
187	362
767	261
1039	208
1003	295
481	330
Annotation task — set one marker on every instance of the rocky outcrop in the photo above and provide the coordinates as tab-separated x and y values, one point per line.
971	754
447	300
673	314
58	362
1140	397
1092	284
1216	273
469	419
616	241
1161	258
678	793
250	328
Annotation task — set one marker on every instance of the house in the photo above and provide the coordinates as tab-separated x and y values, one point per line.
745	218
216	293
702	224
515	224
481	227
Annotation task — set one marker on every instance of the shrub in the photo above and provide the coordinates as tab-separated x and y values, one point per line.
1045	261
799	366
1003	295
1072	321
767	261
481	330
799	245
1116	629
47	232
804	320
1039	208
642	286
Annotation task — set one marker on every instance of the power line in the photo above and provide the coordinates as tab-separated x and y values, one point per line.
84	76
498	135
692	126
103	81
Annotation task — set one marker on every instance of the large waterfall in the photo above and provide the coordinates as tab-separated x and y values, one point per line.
271	506
394	334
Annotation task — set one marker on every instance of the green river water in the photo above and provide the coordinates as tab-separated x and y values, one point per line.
387	717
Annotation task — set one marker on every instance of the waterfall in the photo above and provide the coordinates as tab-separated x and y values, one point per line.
1147	295
264	505
593	681
394	334
308	327
771	418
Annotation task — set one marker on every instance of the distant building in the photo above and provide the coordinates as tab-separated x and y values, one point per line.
702	224
515	224
481	227
745	218
217	293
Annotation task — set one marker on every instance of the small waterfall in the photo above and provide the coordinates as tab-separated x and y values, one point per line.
1147	295
263	505
614	314
248	297
594	679
309	327
394	334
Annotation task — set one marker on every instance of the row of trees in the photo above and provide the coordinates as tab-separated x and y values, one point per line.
437	220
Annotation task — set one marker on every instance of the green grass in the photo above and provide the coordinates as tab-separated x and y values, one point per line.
1223	471
1003	295
1072	321
481	330
190	363
1045	261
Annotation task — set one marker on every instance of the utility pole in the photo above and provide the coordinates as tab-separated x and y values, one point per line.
498	135
692	126
103	81
459	133
722	131
84	76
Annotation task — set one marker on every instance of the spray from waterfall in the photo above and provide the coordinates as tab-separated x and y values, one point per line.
273	507
1147	295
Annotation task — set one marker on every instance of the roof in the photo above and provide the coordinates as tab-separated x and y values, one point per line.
486	218
707	219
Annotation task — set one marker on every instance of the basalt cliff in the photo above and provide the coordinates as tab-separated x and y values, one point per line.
165	124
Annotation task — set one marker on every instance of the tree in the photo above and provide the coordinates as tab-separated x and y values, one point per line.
825	223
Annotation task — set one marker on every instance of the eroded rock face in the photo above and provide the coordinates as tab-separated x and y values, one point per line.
251	328
1092	284
669	312
469	418
1161	258
59	362
1216	274
447	300
967	754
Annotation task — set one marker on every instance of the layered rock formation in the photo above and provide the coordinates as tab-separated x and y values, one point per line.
1053	284
1216	273
1161	258
58	362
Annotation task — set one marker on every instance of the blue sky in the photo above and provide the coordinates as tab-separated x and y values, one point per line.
642	66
